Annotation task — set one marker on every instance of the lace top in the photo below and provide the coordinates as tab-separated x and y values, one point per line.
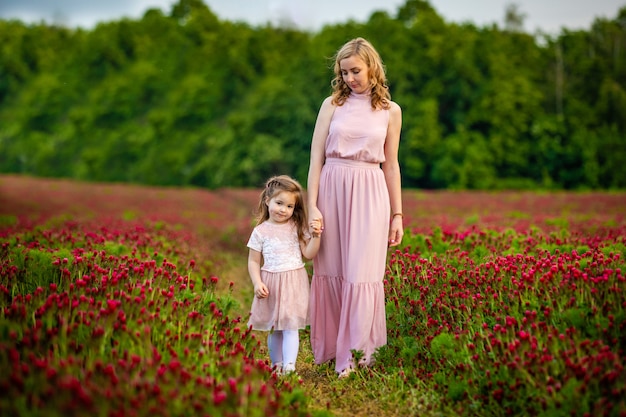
279	245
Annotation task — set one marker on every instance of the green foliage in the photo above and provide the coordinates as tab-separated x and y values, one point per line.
107	324
34	268
116	249
7	220
510	334
617	247
427	245
445	346
479	253
574	317
185	98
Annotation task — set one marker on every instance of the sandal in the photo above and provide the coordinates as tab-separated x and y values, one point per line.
345	373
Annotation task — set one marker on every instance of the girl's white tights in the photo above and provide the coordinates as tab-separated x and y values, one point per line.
283	346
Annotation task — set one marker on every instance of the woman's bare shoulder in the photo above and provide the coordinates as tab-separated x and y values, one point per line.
328	102
394	107
327	106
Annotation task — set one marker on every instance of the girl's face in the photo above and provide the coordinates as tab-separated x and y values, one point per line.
355	74
281	206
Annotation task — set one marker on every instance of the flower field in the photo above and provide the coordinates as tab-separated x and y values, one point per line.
121	300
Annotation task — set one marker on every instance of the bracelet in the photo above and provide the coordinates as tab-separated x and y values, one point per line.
397	214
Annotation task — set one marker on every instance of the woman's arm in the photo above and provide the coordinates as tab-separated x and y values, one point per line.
391	169
254	269
318	144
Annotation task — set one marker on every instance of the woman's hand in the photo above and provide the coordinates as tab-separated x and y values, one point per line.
396	231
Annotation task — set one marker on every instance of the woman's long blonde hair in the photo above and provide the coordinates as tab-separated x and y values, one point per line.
380	96
277	185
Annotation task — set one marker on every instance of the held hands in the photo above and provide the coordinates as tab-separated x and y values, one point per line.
316	215
311	247
261	291
315	227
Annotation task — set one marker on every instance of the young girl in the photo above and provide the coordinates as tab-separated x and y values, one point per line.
281	283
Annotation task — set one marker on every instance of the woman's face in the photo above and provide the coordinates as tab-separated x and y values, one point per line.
355	74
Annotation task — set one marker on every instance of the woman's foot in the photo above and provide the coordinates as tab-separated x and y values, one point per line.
345	373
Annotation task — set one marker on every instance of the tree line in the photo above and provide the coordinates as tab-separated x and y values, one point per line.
183	98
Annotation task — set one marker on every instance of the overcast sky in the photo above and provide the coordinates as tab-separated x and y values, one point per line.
546	15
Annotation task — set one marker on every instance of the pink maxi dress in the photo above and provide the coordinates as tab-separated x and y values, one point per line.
347	302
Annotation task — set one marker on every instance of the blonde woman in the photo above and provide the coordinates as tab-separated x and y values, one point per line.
354	190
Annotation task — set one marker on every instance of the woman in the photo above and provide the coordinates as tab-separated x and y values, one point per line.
354	190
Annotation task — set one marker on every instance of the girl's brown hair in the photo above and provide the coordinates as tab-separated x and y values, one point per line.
380	96
276	185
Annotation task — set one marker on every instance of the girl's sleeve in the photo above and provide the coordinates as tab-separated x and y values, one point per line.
256	241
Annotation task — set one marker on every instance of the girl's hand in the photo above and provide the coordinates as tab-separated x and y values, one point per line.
396	231
261	291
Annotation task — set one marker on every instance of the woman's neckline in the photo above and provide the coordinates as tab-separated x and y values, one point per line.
361	96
